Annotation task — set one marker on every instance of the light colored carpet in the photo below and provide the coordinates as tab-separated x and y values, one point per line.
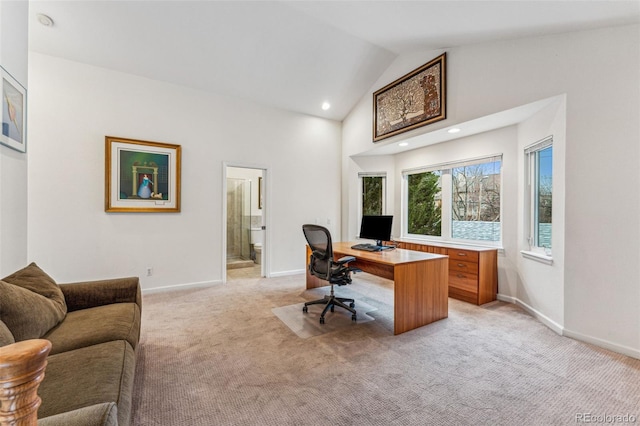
308	325
220	356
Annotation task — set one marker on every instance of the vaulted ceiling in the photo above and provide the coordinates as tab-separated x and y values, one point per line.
293	55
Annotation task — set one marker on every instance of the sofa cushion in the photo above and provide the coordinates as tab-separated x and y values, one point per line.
6	338
95	415
87	376
86	327
27	315
34	306
35	279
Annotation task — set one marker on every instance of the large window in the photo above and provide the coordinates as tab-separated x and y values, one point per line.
373	193
476	201
539	157
456	201
425	203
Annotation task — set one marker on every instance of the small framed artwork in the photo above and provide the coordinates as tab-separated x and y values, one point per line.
14	109
141	176
260	192
414	100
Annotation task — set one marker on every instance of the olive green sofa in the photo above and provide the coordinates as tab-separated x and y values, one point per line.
94	330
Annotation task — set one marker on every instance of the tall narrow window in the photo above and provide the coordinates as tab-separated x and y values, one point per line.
540	188
373	193
424	191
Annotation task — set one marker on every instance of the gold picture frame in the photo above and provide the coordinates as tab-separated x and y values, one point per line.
414	100
141	176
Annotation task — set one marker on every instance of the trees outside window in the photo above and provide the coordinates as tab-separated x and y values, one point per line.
425	204
476	201
373	195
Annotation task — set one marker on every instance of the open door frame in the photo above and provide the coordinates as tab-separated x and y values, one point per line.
266	245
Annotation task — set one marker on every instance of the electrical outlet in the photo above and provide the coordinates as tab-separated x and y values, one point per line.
149	271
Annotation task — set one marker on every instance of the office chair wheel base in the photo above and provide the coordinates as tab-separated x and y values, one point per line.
321	320
305	309
352	305
354	318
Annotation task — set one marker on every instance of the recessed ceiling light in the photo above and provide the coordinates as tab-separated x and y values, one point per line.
44	20
453	130
326	105
403	144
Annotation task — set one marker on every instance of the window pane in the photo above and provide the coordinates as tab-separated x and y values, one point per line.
372	193
425	203
544	191
476	202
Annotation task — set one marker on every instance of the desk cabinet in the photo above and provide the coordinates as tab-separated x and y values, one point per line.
473	272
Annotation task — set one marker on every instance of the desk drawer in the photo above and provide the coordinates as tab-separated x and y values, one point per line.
422	247
413	246
462	266
466	296
466	255
467	282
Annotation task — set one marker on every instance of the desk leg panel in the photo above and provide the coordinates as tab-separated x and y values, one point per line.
312	281
421	294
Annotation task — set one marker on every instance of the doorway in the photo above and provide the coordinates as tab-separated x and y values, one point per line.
244	227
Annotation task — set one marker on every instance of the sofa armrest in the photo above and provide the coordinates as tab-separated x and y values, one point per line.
105	414
89	294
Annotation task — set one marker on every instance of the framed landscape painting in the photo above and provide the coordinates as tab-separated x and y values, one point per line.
141	176
14	109
412	101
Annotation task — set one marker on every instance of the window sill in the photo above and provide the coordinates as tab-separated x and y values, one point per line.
538	257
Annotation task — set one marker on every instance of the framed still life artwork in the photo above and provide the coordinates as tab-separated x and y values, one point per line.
413	100
14	108
141	176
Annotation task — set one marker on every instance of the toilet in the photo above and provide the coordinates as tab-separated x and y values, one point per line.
256	241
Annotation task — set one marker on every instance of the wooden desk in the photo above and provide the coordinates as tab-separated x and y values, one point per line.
420	282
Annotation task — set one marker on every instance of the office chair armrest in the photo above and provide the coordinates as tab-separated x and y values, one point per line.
345	259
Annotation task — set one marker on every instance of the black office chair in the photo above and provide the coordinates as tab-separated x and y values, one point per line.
322	265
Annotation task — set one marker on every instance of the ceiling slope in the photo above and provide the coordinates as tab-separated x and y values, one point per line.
292	55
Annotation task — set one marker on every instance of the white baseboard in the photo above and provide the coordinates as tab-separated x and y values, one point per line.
180	287
287	273
624	350
557	328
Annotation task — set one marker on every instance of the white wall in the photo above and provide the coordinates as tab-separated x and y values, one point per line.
598	72
14	38
73	107
13	164
540	287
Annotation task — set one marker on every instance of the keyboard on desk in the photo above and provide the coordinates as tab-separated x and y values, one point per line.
366	247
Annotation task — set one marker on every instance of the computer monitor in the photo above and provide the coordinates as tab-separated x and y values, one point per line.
376	228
